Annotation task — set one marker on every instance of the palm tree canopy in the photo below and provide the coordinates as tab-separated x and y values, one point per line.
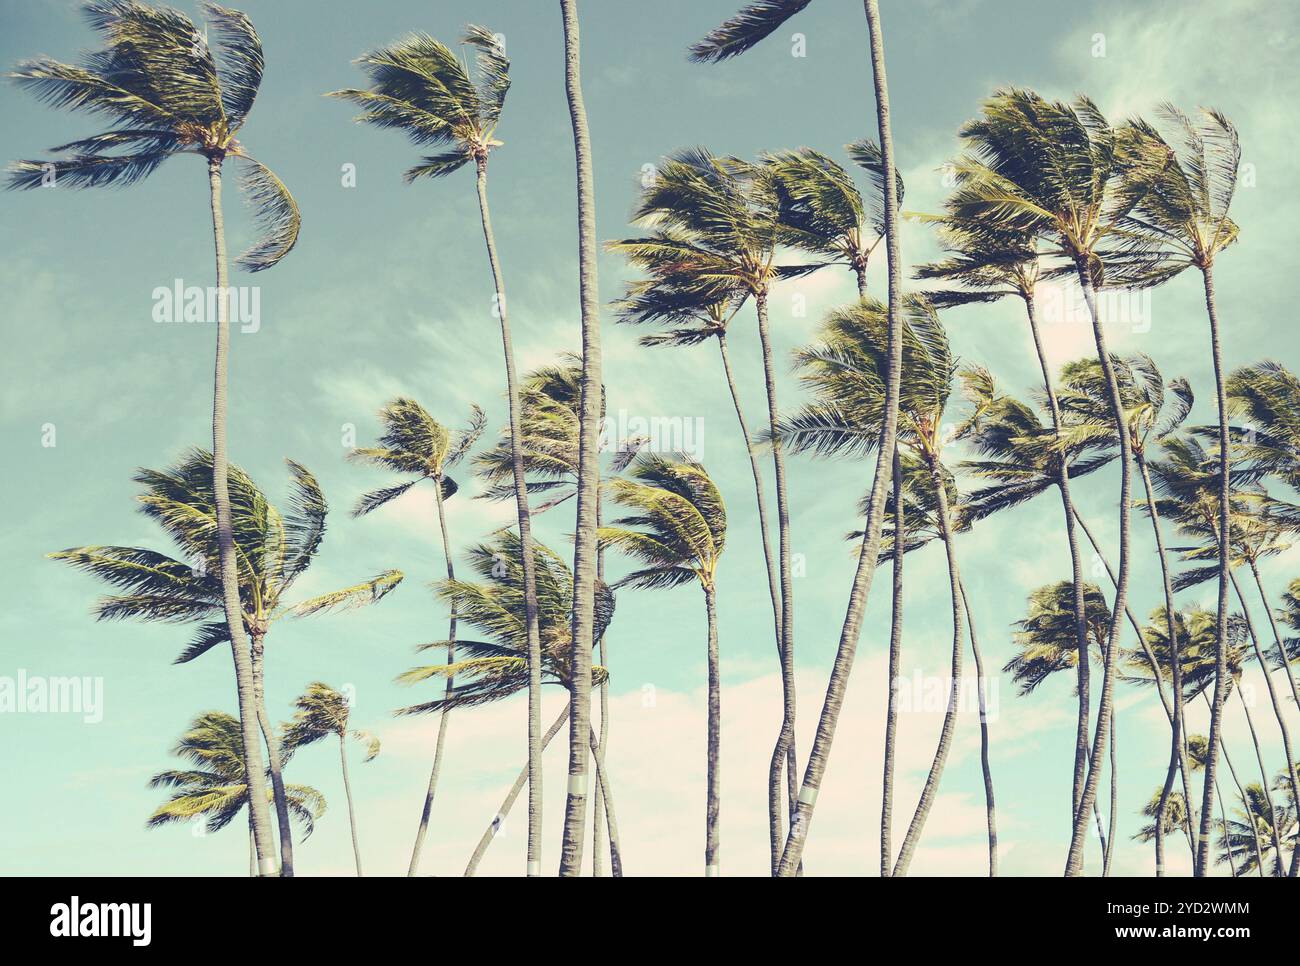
1046	639
215	788
1175	815
1197	632
165	91
1153	409
496	666
420	87
321	712
751	24
1266	396
986	261
1255	810
272	549
678	527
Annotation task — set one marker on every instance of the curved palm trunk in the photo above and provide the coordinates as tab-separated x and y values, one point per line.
347	793
1221	673
525	541
598	837
607	800
274	759
414	866
931	787
850	632
1083	727
895	660
1074	860
498	820
990	806
258	810
1263	774
1114	795
774	786
1277	636
1223	814
713	738
584	553
785	739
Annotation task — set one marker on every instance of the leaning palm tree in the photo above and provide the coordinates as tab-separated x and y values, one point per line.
1054	171
167	93
420	87
216	787
1181	196
1152	411
495	666
677	530
1256	816
273	548
847	371
321	712
414	443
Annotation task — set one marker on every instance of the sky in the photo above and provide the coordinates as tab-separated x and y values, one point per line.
388	292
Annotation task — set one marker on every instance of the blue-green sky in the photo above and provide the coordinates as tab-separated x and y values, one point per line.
388	292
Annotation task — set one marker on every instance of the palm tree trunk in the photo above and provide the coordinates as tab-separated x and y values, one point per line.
1263	773
347	793
1074	860
990	806
599	839
931	787
785	739
1221	627
607	798
847	648
252	848
414	867
274	759
895	660
1223	818
528	564
1223	814
1083	727
1179	728
713	738
584	553
239	645
499	819
1114	796
1277	636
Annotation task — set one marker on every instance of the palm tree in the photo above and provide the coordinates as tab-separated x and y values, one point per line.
678	529
321	712
1053	171
216	788
1153	410
415	443
422	88
1170	811
167	92
1180	219
1257	816
847	372
497	666
1267	396
716	229
584	553
273	549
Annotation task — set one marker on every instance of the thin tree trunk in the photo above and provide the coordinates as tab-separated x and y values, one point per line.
1277	635
274	759
712	866
534	866
599	839
414	867
774	593
607	797
847	648
347	793
252	848
1221	673
498	820
990	806
1074	860
239	645
931	787
785	739
1114	796
1263	774
895	660
584	553
1101	835
1223	814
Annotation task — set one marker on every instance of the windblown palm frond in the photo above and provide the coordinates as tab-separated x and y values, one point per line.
751	24
1046	640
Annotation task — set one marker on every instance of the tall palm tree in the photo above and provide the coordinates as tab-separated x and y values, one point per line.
216	788
678	529
847	372
1055	171
273	550
321	712
167	92
415	443
584	552
716	228
1257	816
496	666
1152	411
419	86
1182	194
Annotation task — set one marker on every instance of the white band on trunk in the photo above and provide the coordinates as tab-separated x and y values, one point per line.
808	795
268	866
578	784
534	868
712	871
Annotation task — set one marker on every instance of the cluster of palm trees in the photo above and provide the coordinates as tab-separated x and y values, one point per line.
1044	191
